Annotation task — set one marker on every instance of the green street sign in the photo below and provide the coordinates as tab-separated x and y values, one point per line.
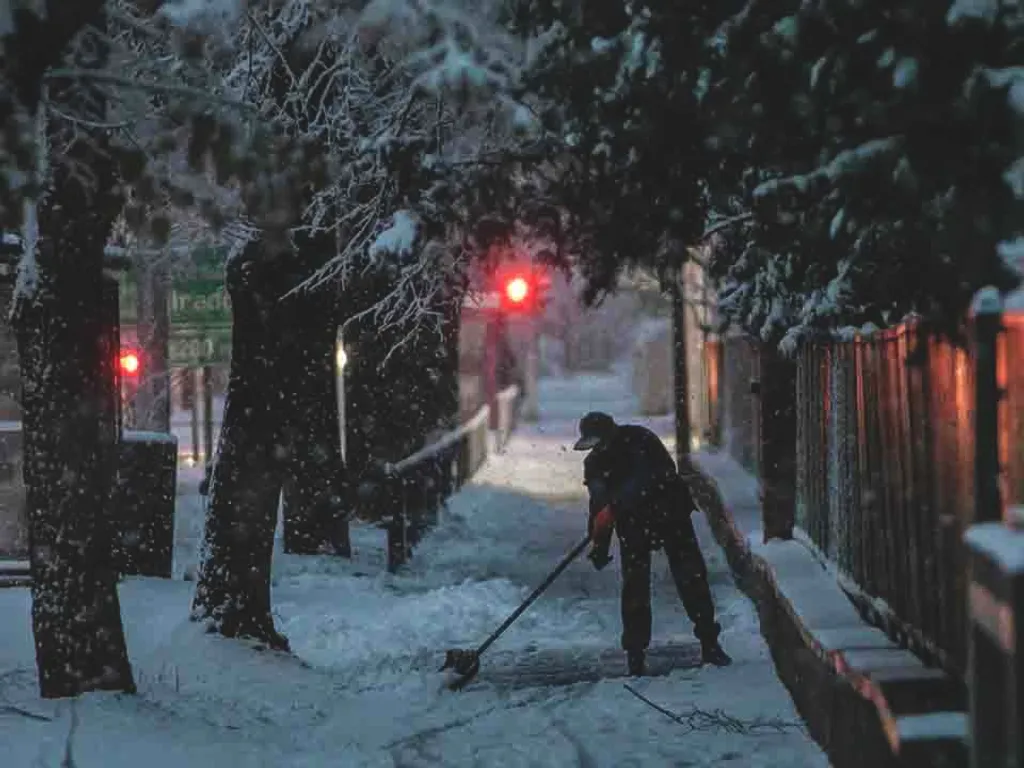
198	306
198	294
128	300
200	303
188	348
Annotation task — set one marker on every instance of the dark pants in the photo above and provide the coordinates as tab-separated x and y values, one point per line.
689	573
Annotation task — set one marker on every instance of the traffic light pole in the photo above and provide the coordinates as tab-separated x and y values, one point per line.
521	293
531	405
193	380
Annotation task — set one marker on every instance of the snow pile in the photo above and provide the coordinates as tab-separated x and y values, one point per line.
464	579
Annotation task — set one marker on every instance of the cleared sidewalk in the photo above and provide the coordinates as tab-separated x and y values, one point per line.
866	700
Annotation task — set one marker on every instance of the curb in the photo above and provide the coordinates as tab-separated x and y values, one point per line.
857	716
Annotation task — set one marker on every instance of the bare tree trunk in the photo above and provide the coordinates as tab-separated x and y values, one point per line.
279	433
69	423
315	519
66	321
233	591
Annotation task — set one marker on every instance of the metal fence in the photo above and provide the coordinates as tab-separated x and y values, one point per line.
885	462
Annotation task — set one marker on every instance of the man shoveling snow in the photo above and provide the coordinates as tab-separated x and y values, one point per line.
636	491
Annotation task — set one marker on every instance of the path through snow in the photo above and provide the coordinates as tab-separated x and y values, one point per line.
362	689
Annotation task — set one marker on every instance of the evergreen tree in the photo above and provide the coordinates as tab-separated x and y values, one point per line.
874	140
864	147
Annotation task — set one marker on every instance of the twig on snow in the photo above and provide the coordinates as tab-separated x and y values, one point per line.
6	708
697	719
11	709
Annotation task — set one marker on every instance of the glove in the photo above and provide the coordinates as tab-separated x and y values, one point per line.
601	527
601	537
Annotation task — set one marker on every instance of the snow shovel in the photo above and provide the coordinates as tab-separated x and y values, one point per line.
466	662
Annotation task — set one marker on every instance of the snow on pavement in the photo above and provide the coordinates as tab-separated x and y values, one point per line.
362	689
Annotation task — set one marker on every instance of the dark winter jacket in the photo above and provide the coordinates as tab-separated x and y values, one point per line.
634	472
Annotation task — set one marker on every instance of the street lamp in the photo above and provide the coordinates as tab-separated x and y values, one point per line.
341	360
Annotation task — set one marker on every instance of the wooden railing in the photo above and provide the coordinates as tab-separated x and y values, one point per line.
415	488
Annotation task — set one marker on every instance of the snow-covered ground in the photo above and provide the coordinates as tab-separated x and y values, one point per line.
363	690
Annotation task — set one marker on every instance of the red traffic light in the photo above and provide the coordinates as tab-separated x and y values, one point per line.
521	289
129	363
517	289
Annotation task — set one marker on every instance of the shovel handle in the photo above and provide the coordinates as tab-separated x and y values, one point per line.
565	562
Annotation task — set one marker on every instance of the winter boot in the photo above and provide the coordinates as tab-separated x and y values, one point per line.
711	653
635	663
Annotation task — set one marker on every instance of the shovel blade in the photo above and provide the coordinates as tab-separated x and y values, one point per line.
464	663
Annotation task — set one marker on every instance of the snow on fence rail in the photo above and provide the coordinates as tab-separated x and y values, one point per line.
415	488
448	441
508	415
